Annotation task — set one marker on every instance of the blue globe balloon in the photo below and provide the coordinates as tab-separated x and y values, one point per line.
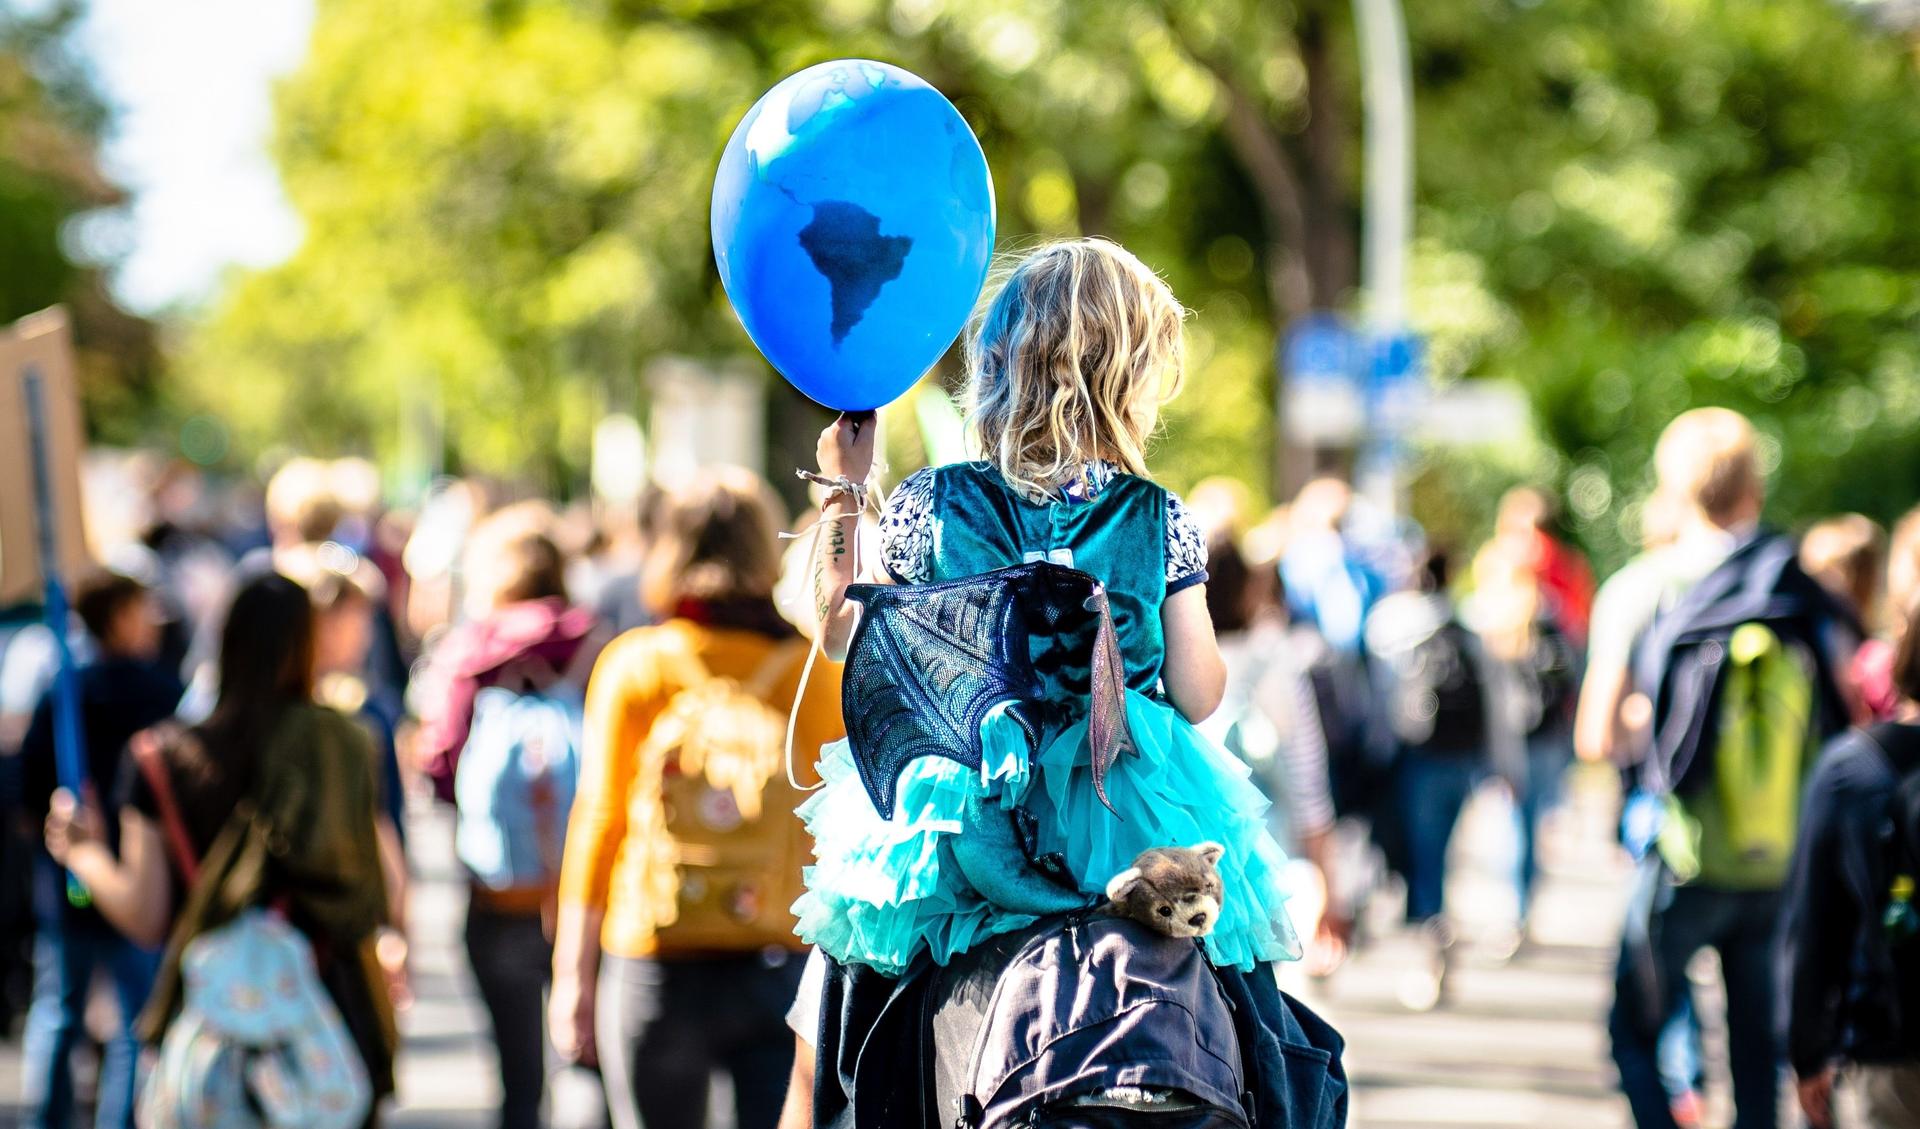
853	228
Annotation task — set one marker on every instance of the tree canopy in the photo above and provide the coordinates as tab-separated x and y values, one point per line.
51	123
1627	206
1665	205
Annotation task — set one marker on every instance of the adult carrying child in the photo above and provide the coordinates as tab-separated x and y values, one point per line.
1051	623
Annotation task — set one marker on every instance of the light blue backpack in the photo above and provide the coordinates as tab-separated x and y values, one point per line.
258	1043
514	785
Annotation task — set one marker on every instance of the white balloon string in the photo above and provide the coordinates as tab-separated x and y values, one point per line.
861	497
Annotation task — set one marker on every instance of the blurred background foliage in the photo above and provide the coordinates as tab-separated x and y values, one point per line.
1625	206
55	198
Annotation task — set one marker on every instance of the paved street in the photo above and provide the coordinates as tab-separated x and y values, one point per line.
1518	1043
446	1068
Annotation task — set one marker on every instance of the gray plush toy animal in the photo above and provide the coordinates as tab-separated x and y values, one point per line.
1171	890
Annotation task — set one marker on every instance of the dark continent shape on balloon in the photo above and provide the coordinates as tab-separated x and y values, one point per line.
846	247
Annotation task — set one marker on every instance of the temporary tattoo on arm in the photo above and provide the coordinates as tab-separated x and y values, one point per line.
836	548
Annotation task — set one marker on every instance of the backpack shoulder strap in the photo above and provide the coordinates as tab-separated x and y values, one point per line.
776	665
148	755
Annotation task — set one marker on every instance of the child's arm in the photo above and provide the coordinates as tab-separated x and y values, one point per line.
1195	675
845	451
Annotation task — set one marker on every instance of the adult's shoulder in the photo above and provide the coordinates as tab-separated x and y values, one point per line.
669	636
313	725
1626	603
1854	766
632	662
1635	582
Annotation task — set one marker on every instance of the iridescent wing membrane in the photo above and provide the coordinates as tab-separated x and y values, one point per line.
929	662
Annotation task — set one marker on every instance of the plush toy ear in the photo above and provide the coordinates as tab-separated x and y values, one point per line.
1212	852
1123	883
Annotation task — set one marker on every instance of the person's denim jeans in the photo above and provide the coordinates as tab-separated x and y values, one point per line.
1433	788
1548	755
66	954
1651	1020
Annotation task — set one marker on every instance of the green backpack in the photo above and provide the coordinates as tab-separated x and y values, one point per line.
1737	831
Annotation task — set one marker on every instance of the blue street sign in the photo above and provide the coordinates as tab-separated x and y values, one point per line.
1322	373
1320	349
1396	381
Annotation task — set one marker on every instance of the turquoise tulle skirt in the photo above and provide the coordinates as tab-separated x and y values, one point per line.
883	890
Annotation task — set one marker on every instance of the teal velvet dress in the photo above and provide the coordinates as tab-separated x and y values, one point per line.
940	875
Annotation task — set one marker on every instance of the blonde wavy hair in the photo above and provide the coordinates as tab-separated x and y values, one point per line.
1070	363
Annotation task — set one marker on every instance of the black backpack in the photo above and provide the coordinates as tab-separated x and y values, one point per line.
1897	956
1017	1028
1678	661
1548	680
1341	687
1439	700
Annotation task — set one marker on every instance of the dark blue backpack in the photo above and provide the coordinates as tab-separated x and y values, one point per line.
1076	1022
1679	662
1026	1026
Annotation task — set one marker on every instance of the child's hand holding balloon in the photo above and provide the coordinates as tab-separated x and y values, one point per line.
846	447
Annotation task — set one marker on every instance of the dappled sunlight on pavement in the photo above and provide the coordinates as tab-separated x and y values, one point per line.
1516	1042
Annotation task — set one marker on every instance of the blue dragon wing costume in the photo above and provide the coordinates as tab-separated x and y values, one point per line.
929	662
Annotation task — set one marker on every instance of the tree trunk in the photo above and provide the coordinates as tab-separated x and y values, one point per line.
1310	255
1332	256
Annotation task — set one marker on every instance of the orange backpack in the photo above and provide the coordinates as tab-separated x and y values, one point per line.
728	868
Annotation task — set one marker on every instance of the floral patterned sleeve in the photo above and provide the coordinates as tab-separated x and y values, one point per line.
906	529
1186	548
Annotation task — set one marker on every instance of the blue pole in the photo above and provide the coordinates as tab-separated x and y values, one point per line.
69	761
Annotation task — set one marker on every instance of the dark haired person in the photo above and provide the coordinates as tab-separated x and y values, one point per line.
122	690
517	615
1852	988
307	773
347	591
1434	682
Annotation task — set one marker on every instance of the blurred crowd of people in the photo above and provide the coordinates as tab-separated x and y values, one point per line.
1754	693
602	697
230	671
1376	684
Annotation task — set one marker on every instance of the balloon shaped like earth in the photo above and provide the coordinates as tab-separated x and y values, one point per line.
853	227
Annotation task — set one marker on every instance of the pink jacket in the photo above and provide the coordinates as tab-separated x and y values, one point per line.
544	635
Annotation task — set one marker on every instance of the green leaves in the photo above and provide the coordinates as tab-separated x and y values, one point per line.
51	186
506	213
1683	204
1627	206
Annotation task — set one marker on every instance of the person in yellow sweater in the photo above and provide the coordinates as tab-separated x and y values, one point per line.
675	954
